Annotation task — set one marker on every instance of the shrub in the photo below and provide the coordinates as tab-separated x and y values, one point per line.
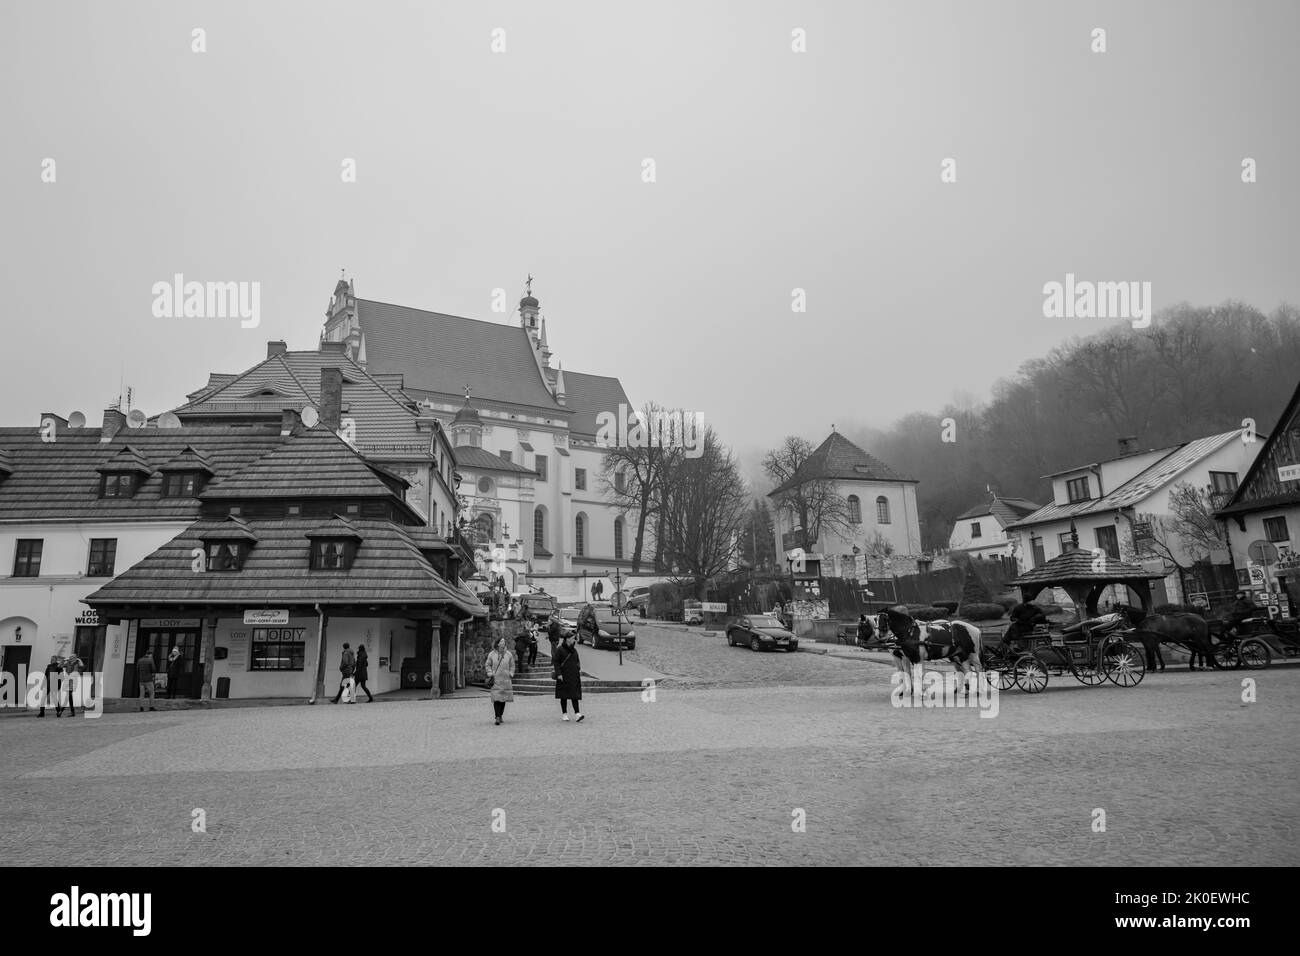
924	612
665	601
1007	602
973	590
982	612
948	606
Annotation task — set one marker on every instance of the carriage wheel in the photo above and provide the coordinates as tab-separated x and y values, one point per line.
1091	673
1254	653
1002	675
1031	675
1123	664
1228	654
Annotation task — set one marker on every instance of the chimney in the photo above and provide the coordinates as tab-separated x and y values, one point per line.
331	397
277	347
1128	445
289	421
114	422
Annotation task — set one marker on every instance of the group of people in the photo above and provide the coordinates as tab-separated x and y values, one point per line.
566	670
354	672
59	679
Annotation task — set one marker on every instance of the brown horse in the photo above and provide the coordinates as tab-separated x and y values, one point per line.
955	641
1185	630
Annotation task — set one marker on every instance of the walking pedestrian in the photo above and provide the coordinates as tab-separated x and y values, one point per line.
174	665
51	688
362	674
521	650
71	681
532	645
145	672
553	632
500	667
347	667
567	671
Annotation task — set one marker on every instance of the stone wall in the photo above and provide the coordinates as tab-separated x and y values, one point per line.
477	642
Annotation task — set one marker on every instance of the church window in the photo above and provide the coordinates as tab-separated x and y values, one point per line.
539	529
541	467
855	510
580	479
882	510
579	524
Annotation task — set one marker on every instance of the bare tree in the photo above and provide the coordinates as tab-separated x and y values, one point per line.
815	503
702	510
632	477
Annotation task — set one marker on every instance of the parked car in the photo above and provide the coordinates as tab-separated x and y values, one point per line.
607	634
760	632
638	601
537	607
569	620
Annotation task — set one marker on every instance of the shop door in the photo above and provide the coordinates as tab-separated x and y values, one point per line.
17	656
87	641
159	643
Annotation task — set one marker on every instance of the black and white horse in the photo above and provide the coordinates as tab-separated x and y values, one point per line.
957	642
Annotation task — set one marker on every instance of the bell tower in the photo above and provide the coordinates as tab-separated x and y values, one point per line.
341	322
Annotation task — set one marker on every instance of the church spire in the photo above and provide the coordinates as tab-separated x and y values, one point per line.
528	307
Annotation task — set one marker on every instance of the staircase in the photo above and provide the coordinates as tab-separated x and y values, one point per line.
539	683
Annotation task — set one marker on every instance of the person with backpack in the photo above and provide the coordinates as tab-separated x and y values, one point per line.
347	667
362	674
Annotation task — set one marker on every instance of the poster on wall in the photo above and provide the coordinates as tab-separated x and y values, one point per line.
113	639
238	653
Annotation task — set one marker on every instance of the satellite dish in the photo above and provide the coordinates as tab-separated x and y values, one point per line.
309	416
76	420
168	420
1262	552
136	419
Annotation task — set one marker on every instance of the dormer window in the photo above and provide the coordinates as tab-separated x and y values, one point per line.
226	555
333	554
1076	489
118	485
182	484
334	545
227	544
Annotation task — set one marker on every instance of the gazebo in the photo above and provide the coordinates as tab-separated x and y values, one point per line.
1083	576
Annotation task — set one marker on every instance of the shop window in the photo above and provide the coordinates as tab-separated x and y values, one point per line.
103	554
277	649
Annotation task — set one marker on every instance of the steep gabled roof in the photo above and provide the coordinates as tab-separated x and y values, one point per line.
839	458
442	353
188	460
1005	510
127	458
1282	447
313	464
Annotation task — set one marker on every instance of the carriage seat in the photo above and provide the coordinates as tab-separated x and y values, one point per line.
1081	630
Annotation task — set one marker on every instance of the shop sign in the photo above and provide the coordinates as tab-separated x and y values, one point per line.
266	617
1288	472
88	618
171	622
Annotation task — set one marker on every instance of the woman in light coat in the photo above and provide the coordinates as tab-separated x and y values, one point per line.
500	667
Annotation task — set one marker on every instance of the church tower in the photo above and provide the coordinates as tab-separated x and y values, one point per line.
341	322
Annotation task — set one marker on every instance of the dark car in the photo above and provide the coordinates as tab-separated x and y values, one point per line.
760	632
537	607
606	635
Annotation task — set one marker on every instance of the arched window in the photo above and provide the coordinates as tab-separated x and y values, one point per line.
855	509
579	538
882	510
618	539
484	528
539	529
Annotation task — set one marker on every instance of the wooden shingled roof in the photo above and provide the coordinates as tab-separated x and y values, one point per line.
388	570
315	463
59	480
840	459
1077	565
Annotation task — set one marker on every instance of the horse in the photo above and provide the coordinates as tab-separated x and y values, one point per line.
957	642
1184	629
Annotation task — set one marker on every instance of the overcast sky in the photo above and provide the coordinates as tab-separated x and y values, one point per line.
775	170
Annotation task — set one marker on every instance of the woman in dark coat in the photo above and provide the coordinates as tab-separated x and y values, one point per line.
567	671
362	673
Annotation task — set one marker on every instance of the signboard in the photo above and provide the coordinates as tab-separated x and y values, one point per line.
1288	472
1256	574
88	618
713	607
618	600
266	617
171	622
1199	599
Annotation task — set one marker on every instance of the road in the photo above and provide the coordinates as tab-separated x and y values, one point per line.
1186	772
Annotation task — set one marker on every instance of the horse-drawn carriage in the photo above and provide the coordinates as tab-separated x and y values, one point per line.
1093	651
1255	642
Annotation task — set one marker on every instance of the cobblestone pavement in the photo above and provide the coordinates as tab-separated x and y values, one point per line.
1186	773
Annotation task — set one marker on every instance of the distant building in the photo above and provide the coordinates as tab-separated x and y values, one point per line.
884	531
980	531
1111	507
1266	507
525	430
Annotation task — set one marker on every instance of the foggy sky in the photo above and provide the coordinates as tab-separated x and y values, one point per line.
775	171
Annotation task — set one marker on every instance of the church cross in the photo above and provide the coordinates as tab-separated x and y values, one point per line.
528	286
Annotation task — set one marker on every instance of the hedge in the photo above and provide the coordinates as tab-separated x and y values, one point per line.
1007	603
924	612
948	606
982	612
